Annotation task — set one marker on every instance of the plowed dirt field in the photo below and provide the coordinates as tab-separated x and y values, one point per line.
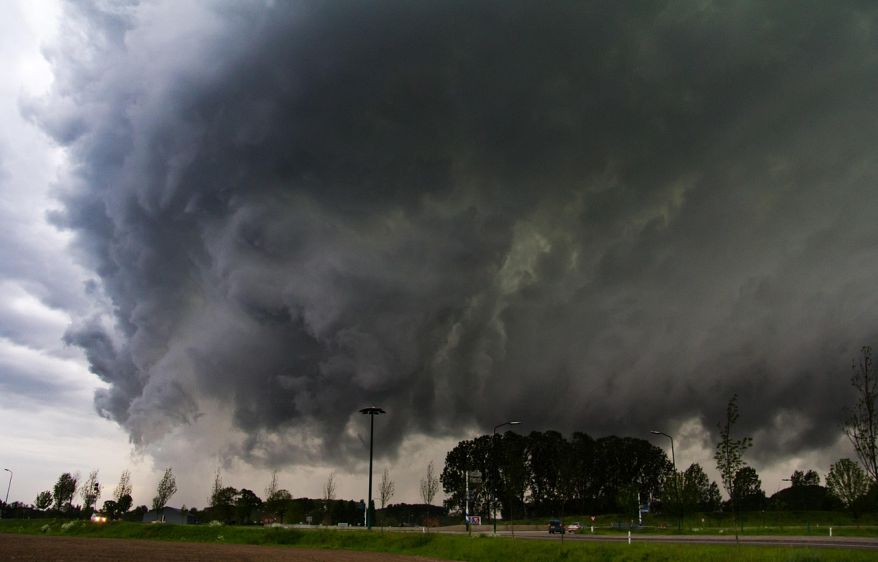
74	549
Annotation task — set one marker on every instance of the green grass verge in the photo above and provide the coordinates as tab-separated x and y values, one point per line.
434	545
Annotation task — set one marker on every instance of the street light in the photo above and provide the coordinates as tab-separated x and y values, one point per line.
676	482
493	447
6	501
371	412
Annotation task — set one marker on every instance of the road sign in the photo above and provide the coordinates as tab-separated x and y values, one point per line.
475	519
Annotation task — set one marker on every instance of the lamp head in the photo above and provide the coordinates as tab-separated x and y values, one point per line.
372	411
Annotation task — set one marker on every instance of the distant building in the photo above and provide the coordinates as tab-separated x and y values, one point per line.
170	515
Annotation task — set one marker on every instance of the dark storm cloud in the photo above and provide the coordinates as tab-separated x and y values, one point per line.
594	216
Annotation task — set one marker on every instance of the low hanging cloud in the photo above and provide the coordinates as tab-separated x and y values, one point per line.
591	216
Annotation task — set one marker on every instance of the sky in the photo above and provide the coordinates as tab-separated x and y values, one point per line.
227	226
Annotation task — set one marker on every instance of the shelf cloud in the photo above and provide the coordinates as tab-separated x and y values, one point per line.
592	216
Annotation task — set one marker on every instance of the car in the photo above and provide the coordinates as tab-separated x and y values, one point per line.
555	526
574	527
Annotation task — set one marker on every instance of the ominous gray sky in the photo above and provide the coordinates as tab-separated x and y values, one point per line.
598	216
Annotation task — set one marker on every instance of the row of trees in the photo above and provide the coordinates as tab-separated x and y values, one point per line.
61	497
544	473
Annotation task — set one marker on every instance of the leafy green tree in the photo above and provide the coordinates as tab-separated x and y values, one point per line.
714	498
278	503
468	456
111	509
847	481
861	424
246	502
166	488
748	494
64	491
810	478
513	474
123	504
43	501
546	459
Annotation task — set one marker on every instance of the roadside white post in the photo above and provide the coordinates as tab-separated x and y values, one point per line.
629	537
830	531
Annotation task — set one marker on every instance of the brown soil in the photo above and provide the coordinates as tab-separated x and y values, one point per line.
76	549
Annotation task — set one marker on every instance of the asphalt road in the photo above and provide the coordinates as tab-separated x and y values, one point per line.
779	540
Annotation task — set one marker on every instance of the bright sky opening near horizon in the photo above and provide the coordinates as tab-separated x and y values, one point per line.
227	226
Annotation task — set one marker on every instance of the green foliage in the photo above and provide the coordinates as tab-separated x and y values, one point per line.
166	488
64	491
44	500
556	475
747	489
810	478
847	481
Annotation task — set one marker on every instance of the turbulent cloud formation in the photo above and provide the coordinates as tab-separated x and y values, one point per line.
590	215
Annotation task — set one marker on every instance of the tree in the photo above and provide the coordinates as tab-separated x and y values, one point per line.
810	478
166	488
224	502
429	485
123	488
847	481
714	498
748	494
245	504
90	490
861	424
272	486
278	503
43	501
329	488
123	504
386	488
216	489
729	453
64	490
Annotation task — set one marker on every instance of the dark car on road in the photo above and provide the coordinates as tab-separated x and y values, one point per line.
555	526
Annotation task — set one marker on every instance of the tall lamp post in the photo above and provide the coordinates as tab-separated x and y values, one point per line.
493	448
371	412
6	501
8	485
676	480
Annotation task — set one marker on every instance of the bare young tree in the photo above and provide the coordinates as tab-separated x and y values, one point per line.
90	490
386	488
729	453
329	489
123	488
216	489
166	488
271	490
861	424
429	485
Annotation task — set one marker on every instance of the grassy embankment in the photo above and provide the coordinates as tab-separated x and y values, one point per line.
434	545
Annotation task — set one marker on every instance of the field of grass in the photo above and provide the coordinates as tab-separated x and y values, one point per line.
434	545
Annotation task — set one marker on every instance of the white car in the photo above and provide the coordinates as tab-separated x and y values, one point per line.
574	527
